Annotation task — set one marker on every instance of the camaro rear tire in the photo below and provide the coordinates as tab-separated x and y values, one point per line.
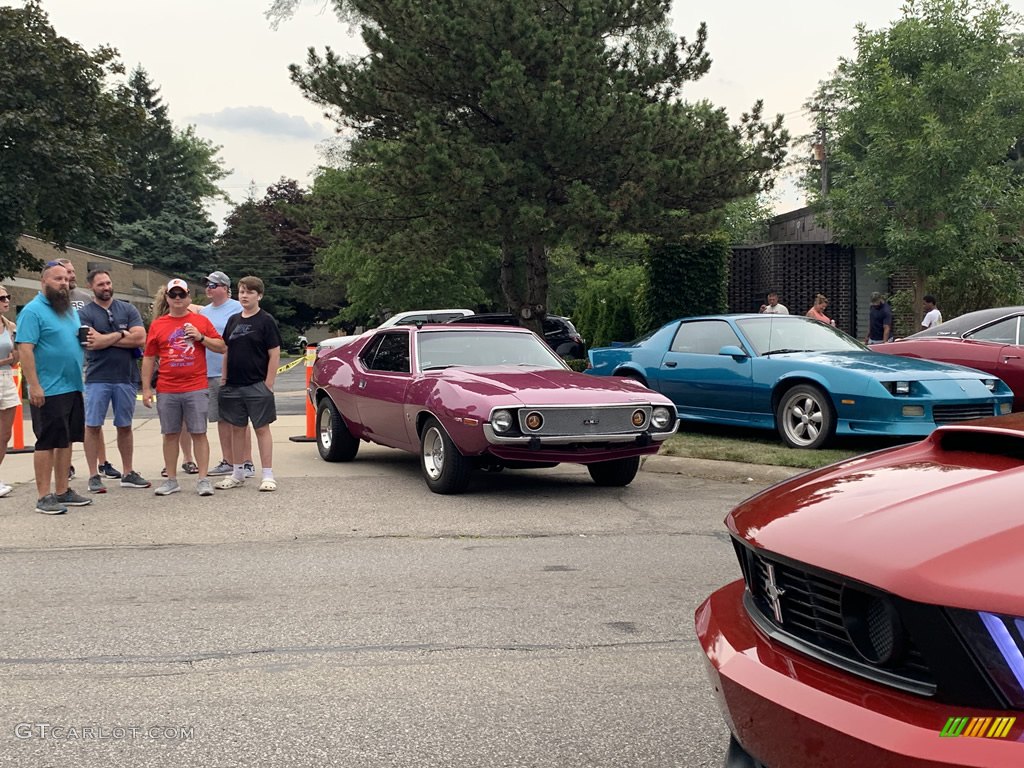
444	468
804	417
637	377
333	439
614	473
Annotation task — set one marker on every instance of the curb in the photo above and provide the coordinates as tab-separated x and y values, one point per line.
711	469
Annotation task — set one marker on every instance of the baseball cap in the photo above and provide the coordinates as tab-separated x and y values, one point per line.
219	278
178	283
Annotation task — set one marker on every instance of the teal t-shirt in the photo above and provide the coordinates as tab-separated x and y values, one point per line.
58	354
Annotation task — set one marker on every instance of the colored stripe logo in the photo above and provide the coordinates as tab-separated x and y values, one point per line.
979	727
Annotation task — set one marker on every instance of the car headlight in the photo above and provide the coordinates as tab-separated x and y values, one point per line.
990	384
897	387
661	417
998	644
502	421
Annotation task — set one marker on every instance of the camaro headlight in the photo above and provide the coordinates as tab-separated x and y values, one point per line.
990	384
502	421
997	641
897	387
661	418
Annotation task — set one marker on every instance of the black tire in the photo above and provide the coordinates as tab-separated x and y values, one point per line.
805	417
615	473
445	470
333	439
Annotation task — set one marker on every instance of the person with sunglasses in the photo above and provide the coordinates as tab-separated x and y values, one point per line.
10	397
179	340
111	376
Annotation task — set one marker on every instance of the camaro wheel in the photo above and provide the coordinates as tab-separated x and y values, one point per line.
805	418
614	473
638	377
333	439
444	468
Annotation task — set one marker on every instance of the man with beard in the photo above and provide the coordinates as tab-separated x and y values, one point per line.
51	357
111	375
79	298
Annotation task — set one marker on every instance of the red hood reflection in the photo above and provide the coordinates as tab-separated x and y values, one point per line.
929	524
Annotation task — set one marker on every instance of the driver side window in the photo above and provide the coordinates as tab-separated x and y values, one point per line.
392	354
704	337
1003	332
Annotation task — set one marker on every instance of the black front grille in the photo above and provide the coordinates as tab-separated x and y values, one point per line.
946	414
807	605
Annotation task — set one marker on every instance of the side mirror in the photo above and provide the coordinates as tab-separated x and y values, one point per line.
732	351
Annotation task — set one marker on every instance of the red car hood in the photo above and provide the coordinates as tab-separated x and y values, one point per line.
552	386
934	526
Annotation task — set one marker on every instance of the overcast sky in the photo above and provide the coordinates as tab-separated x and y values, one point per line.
221	67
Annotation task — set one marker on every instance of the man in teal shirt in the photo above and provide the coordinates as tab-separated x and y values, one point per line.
51	357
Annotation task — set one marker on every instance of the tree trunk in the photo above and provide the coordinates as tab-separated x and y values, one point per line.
527	299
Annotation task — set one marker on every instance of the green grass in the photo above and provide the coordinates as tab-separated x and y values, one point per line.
758	447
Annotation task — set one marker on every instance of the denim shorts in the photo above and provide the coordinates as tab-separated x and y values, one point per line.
99	395
9	394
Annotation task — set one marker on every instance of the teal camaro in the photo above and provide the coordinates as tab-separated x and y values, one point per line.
801	377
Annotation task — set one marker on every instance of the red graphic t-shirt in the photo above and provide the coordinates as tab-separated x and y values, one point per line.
182	360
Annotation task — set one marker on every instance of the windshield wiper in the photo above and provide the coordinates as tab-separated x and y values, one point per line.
438	367
784	351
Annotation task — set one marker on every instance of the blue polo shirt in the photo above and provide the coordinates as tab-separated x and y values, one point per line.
58	354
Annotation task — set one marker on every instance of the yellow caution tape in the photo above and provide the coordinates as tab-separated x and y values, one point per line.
291	365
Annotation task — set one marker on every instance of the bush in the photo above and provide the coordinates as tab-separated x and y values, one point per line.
685	278
578	365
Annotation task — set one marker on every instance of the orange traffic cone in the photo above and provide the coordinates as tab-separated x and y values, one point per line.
310	435
18	430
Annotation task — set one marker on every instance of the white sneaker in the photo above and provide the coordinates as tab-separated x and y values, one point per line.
5	489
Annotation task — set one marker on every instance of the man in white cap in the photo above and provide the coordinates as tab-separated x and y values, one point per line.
220	309
179	340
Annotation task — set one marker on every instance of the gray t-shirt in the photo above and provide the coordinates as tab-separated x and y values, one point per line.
6	346
113	364
80	297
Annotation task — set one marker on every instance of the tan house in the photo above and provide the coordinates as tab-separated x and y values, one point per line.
137	285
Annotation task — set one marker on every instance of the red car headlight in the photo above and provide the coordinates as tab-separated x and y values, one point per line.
997	641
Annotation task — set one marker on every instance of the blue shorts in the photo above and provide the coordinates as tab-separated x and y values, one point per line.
98	397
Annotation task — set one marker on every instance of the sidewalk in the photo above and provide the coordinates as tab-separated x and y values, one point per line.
292	459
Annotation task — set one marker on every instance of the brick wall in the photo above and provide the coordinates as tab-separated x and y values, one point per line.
797	271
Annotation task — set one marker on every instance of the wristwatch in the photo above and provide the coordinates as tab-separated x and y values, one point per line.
123	332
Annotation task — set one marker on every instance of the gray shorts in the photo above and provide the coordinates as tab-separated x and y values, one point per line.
173	407
253	402
213	387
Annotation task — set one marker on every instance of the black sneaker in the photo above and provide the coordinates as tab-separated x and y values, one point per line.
71	499
107	470
48	505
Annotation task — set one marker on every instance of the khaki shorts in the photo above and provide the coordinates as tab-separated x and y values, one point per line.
9	394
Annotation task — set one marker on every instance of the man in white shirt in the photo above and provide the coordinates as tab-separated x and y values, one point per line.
220	309
773	307
932	316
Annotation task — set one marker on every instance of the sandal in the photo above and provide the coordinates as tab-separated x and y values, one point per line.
268	484
190	467
163	472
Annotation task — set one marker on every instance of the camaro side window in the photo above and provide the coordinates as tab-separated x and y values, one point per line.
1003	332
705	337
392	354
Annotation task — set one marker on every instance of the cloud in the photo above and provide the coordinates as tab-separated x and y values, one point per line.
264	120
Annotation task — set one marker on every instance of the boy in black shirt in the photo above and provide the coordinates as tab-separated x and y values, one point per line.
247	381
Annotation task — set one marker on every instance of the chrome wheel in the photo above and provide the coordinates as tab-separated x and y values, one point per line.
333	440
804	417
325	429
433	453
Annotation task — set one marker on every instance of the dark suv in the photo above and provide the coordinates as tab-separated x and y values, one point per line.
559	332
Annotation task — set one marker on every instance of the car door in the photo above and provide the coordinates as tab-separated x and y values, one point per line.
699	379
996	348
382	380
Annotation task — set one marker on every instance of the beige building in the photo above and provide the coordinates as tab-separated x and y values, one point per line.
133	284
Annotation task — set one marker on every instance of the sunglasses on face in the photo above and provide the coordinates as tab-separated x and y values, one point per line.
5	297
177	294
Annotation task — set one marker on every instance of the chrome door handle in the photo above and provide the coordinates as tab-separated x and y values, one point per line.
671	364
1010	357
362	384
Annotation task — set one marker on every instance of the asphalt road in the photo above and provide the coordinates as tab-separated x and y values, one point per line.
359	620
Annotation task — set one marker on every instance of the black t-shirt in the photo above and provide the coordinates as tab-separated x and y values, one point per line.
249	341
113	364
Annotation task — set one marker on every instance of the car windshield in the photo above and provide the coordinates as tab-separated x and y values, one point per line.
444	349
772	335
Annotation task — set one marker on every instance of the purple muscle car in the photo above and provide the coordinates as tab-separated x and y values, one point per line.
487	397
